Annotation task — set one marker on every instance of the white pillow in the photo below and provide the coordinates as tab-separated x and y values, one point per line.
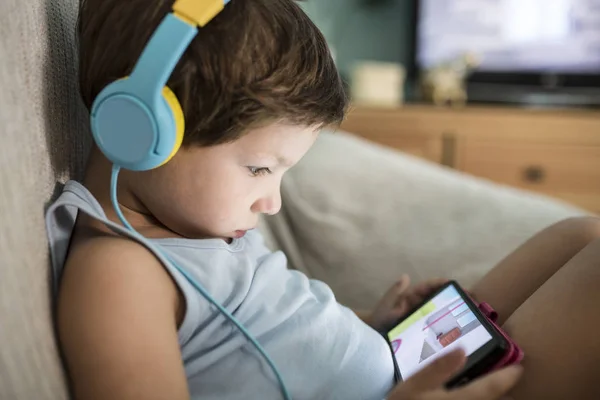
357	215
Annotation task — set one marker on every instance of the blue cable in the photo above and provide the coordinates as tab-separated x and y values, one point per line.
196	285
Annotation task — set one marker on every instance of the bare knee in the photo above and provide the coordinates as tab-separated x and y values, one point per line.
579	230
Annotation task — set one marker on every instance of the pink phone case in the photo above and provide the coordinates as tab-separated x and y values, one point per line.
514	354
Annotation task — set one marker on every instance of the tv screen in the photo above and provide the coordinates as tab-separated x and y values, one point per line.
528	36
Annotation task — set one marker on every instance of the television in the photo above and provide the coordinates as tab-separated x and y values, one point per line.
544	52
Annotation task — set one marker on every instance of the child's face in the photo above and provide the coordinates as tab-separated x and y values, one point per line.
220	191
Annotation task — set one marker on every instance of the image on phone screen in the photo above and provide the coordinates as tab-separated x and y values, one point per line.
441	325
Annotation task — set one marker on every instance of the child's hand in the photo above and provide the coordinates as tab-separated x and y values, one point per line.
400	299
429	383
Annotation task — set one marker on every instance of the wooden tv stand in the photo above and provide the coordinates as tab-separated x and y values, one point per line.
555	152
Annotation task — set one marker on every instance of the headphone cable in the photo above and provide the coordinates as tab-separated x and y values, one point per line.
193	282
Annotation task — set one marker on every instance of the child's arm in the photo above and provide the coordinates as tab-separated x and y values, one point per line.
117	323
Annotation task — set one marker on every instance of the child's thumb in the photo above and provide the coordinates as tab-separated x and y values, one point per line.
391	296
402	284
438	372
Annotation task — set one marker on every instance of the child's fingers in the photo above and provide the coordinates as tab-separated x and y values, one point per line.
436	374
419	292
414	299
399	288
392	297
400	309
402	284
426	287
492	386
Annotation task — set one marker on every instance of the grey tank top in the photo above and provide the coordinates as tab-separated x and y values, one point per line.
320	347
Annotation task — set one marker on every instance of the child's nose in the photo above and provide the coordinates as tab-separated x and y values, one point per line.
269	205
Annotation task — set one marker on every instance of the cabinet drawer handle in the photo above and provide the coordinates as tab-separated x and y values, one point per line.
534	174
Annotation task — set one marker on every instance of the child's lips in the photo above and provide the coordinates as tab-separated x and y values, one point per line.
241	232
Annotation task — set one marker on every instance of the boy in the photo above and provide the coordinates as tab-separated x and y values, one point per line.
255	86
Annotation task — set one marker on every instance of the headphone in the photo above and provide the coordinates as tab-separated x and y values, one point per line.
137	121
138	124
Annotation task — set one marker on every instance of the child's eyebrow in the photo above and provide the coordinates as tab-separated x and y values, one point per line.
284	161
280	160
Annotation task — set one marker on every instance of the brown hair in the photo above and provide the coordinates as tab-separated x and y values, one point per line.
258	61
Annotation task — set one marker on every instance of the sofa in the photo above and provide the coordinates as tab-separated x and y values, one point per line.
355	215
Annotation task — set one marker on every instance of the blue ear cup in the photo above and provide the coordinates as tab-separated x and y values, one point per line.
136	134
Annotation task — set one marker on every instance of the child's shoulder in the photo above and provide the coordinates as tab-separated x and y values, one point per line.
94	248
108	265
117	310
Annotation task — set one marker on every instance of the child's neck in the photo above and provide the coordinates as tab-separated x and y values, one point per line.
97	181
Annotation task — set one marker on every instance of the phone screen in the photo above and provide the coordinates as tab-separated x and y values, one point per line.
438	327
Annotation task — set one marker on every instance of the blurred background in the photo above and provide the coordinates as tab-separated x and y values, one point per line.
506	90
358	30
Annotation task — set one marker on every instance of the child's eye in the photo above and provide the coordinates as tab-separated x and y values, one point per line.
258	171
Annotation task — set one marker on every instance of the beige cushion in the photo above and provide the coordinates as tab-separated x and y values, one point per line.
357	216
43	131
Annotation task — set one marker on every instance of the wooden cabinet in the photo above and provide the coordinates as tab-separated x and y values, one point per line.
555	152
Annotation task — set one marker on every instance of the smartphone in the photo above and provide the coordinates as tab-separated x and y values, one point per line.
446	320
